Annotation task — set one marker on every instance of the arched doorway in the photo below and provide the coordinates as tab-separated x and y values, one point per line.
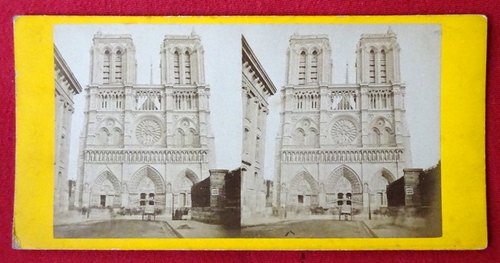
182	188
343	183
147	188
302	193
378	188
105	191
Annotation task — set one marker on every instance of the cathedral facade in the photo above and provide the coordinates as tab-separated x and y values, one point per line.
340	141
144	144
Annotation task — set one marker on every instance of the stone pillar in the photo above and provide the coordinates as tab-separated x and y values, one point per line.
217	183
412	181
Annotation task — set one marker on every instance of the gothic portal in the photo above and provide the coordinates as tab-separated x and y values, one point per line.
144	144
340	140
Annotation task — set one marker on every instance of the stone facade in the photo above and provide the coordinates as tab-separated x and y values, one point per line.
339	140
144	143
66	86
256	89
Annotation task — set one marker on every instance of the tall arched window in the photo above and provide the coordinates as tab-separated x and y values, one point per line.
299	137
383	66
311	137
314	66
371	66
177	78
118	66
105	67
386	137
375	136
302	68
180	138
104	136
187	68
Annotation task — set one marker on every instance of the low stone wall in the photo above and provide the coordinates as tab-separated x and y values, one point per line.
211	215
229	216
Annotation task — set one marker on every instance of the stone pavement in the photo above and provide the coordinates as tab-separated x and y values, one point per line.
195	229
391	227
378	226
72	224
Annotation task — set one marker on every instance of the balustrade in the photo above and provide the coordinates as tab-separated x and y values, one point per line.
380	98
185	100
150	156
342	156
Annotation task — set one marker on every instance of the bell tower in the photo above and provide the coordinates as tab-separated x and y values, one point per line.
182	60
377	59
113	60
309	60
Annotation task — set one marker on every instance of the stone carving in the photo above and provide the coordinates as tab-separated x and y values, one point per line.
342	156
343	132
148	132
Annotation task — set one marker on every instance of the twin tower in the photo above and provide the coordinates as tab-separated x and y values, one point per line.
144	143
339	141
153	142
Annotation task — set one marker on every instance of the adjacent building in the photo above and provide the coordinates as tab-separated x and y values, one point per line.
66	87
144	143
216	199
340	141
256	89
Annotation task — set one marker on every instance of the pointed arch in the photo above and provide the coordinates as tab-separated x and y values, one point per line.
106	64
381	179
103	136
346	172
303	182
180	137
187	67
383	66
185	180
150	173
100	181
381	131
387	175
302	67
299	136
118	65
371	65
177	66
314	66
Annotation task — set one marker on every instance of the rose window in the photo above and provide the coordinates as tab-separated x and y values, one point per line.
343	132
148	132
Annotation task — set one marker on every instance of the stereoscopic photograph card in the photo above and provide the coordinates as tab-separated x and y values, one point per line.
318	133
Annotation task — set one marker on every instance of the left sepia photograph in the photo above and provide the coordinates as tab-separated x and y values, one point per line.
145	144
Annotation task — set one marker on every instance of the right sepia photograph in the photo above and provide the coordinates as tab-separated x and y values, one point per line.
341	131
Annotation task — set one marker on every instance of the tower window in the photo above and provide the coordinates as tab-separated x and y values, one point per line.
105	69
302	68
314	67
177	79
371	66
118	66
187	68
383	66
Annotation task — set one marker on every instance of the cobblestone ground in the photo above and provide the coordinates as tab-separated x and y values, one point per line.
308	229
115	229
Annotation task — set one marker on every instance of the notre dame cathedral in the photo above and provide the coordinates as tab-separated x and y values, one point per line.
340	141
144	143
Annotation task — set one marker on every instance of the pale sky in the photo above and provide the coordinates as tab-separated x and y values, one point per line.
420	59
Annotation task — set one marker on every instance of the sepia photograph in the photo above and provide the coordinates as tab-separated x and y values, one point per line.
247	130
